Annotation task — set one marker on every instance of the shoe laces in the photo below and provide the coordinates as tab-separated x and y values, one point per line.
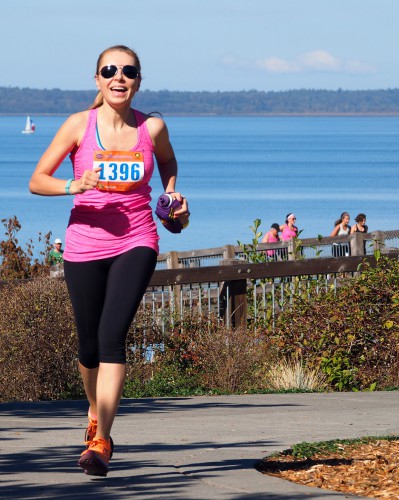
102	446
91	430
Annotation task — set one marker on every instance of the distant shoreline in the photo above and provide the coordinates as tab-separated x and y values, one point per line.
232	115
302	102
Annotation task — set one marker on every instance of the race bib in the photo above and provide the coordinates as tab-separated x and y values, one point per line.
120	170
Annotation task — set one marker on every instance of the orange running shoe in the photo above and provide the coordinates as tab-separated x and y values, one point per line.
95	459
91	432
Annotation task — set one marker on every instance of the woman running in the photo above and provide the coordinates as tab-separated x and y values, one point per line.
111	243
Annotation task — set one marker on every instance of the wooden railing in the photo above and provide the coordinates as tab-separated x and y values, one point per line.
296	249
233	276
218	279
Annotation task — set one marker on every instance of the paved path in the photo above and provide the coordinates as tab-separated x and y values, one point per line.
181	448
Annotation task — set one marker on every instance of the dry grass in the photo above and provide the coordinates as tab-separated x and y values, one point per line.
294	375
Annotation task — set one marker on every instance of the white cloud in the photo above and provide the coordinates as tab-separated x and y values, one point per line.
276	65
317	61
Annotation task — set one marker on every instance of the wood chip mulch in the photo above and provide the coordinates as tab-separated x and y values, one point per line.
369	470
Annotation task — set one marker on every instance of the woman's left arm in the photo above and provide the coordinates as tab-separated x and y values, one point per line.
163	151
167	164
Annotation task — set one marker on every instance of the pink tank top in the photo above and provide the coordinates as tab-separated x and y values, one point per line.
105	223
272	239
287	233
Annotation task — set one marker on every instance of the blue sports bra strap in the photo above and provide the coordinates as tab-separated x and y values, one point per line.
98	138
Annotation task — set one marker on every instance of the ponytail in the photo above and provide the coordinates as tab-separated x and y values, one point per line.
339	221
98	101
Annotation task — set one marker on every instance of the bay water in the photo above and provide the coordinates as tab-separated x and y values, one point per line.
234	170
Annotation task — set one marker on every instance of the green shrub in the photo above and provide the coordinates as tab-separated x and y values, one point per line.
38	343
166	380
19	263
221	359
144	343
351	332
199	355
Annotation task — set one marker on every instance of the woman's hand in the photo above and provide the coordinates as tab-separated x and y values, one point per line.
183	213
88	181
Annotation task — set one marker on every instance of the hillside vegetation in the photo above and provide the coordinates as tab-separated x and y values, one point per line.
15	100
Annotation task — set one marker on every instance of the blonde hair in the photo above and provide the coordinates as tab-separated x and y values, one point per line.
99	100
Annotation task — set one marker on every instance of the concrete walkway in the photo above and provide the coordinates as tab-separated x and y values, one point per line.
181	448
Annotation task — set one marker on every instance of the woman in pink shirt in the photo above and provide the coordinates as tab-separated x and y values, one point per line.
289	230
272	237
111	242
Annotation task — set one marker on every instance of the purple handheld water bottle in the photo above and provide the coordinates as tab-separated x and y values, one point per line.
165	210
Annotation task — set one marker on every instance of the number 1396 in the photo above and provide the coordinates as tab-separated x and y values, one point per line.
120	171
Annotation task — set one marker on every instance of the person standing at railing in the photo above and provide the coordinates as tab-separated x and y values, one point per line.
111	241
360	226
272	236
56	254
341	228
288	231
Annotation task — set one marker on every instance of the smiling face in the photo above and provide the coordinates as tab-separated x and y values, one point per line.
345	219
118	89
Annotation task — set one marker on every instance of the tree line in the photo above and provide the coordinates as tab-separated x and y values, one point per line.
15	100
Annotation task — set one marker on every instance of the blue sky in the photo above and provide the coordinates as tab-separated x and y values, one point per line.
204	44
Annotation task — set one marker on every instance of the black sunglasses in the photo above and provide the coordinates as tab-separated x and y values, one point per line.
129	71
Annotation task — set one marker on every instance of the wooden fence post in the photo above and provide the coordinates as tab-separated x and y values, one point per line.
233	299
378	240
172	262
357	244
229	252
291	249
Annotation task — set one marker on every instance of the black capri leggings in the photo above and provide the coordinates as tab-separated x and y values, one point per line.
105	296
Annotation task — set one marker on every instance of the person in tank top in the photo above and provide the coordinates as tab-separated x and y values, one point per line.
272	236
341	228
111	241
360	226
288	231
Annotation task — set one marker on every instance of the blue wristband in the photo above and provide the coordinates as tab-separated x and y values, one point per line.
68	186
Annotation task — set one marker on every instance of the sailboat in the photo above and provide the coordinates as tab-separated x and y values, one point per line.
29	127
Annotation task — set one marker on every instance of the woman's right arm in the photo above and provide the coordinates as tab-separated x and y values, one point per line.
335	230
68	136
266	238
